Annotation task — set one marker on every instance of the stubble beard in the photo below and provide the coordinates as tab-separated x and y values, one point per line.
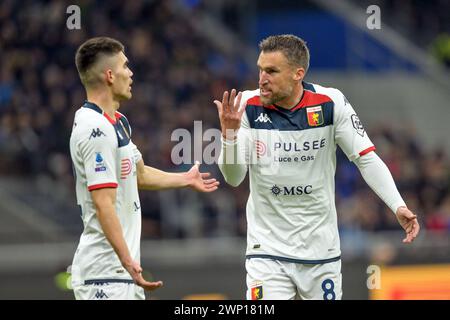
274	99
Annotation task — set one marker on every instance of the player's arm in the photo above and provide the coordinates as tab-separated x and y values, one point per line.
150	178
232	159
378	177
104	201
352	138
99	159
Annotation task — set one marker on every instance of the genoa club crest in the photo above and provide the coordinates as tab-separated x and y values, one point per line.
315	116
257	291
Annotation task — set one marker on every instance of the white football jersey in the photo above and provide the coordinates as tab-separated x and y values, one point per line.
103	156
291	156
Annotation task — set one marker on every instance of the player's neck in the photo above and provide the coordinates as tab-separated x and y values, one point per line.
293	100
104	100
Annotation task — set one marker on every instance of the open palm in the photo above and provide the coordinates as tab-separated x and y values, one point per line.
199	180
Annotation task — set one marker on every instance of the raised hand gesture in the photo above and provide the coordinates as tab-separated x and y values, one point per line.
229	113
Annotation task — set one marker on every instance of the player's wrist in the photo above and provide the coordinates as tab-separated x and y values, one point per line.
127	262
229	135
187	180
400	208
229	143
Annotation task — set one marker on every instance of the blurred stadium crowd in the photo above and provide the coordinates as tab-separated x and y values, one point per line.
424	22
177	74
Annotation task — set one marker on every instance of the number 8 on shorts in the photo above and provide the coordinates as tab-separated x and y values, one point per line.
328	290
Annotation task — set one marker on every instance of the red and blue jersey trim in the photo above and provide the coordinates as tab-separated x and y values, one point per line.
272	117
120	123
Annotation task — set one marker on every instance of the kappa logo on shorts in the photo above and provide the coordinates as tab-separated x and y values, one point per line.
256	290
100	294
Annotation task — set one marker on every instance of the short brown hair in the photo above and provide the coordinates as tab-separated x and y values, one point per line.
293	47
90	51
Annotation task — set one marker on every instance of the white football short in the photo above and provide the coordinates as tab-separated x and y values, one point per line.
278	280
109	291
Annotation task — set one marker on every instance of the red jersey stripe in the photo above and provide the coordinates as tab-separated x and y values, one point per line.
111	120
311	99
366	151
102	185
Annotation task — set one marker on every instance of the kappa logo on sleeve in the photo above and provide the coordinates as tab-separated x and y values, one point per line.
96	133
357	125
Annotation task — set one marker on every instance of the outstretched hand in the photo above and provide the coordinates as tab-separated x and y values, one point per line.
198	180
229	113
408	221
135	270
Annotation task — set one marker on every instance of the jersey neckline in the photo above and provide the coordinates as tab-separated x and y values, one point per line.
310	98
96	108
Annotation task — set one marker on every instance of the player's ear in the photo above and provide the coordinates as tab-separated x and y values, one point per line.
109	76
299	74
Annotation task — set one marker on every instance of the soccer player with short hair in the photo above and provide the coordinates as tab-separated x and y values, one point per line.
109	171
285	134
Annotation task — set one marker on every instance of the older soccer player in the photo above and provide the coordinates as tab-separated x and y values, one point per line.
285	134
